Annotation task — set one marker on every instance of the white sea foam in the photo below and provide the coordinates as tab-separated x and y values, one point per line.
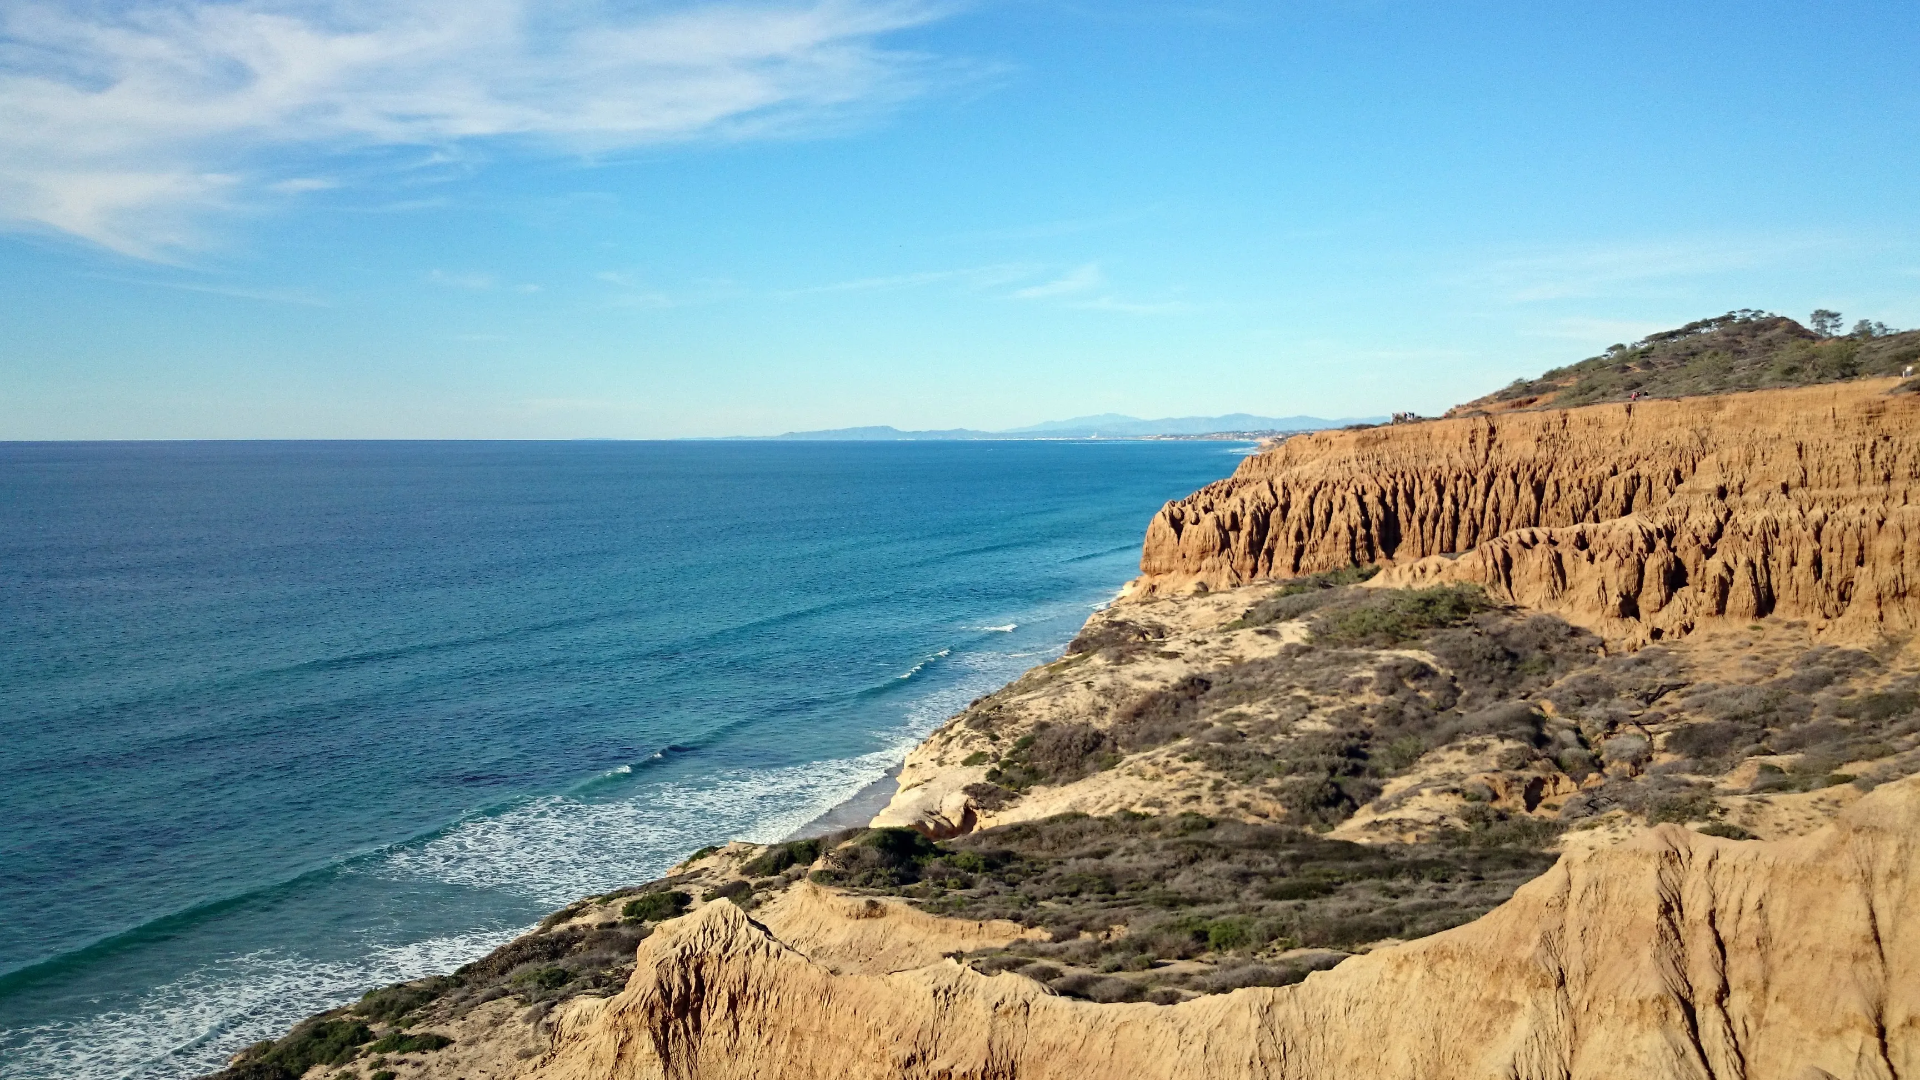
192	1025
1007	629
560	848
915	669
553	849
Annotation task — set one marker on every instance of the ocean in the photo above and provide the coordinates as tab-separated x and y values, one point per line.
287	721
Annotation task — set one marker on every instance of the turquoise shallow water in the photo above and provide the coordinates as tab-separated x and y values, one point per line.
285	721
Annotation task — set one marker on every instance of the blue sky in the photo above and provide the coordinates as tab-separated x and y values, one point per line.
497	218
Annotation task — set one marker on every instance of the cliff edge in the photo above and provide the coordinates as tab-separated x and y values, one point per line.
1671	955
1640	520
1281	814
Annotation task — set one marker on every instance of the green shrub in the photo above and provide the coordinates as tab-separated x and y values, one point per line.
564	914
1741	350
1679	809
320	1042
879	858
780	857
1233	932
551	977
1389	617
978	757
655	906
388	1004
384	1074
1296	597
400	1042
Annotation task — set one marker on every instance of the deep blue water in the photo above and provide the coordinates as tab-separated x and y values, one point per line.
284	721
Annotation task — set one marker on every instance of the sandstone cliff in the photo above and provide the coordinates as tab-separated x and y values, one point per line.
1672	955
1641	520
1217	791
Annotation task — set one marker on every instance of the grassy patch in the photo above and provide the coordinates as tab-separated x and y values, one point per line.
781	857
878	859
1741	350
1185	886
1295	597
656	906
401	1042
331	1041
1389	616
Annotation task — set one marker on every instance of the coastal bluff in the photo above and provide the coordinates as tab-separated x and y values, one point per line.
1640	520
1672	955
1565	744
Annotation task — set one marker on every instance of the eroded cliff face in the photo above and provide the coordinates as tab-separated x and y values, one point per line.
1672	955
1642	520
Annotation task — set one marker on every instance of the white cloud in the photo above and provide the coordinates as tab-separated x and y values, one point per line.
1588	329
1623	268
1128	307
1080	280
461	280
1072	290
123	123
302	184
276	296
975	277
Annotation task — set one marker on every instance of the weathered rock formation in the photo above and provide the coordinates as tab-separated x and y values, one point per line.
1638	519
1673	955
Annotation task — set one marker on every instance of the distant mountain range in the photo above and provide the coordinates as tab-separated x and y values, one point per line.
1104	426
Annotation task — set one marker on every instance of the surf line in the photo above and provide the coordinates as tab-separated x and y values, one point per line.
915	669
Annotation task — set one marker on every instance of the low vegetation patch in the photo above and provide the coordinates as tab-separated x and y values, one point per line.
1741	350
1295	597
655	906
1129	900
1116	635
1384	617
781	857
320	1041
539	969
401	1042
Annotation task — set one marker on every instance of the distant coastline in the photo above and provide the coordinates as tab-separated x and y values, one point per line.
1233	427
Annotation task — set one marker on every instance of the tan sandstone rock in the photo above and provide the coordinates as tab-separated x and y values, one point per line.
1642	520
1672	955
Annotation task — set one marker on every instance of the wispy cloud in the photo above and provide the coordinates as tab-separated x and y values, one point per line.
632	289
125	123
301	184
1584	329
461	281
1130	307
1083	287
1608	269
475	281
973	277
272	296
1082	279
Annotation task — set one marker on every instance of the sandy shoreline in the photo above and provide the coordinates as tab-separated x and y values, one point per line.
857	810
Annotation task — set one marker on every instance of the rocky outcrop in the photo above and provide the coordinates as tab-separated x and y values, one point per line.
1640	519
1671	955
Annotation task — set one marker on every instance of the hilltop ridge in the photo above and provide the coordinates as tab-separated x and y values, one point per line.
1741	350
